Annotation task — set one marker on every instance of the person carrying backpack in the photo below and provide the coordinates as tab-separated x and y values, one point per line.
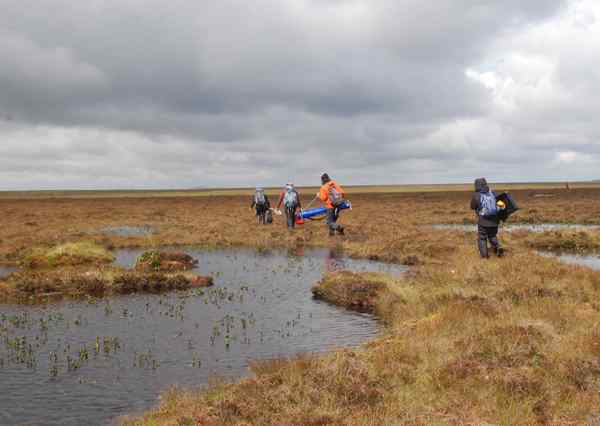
484	204
333	196
290	199
260	202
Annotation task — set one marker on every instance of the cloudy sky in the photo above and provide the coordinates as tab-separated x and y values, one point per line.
179	94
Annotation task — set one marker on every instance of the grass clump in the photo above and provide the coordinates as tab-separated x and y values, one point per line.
165	261
67	254
74	282
565	241
360	291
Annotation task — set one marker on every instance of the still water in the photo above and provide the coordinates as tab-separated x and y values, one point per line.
87	362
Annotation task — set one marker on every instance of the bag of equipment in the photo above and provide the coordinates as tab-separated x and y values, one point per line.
487	204
269	216
290	200
510	205
259	197
335	196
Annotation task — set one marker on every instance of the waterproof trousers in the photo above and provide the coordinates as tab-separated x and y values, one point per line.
485	234
261	213
332	217
290	214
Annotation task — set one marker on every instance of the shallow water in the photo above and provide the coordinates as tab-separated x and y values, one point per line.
5	271
80	362
591	261
128	231
538	227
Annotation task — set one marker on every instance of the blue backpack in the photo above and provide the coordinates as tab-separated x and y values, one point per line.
487	204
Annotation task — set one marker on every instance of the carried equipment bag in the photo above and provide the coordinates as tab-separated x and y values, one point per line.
269	216
509	202
487	204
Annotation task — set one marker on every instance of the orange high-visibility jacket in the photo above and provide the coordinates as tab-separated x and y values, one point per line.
324	192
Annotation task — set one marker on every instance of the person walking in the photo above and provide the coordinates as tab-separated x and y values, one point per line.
290	199
332	195
484	202
261	203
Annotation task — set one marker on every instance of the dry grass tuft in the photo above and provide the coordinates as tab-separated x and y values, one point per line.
67	254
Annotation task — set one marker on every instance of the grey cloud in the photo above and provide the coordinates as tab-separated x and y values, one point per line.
192	93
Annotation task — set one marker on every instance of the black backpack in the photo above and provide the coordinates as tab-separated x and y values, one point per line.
269	216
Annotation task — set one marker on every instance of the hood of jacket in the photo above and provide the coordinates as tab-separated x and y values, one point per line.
481	185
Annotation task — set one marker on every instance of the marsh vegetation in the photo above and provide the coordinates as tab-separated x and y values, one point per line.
505	341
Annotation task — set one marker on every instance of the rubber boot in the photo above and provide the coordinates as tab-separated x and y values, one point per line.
483	248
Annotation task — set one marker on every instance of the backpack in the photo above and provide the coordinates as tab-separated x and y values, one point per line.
290	199
335	196
269	217
487	204
259	198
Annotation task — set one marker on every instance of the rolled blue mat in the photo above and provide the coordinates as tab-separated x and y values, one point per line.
318	211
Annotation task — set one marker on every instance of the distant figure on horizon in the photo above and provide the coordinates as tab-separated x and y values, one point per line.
290	199
333	196
484	204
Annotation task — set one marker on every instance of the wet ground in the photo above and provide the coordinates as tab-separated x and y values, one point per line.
539	227
128	231
590	260
5	271
80	362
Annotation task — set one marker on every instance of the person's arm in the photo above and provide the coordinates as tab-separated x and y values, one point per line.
339	189
475	201
253	204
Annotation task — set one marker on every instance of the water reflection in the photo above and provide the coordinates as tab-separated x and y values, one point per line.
77	362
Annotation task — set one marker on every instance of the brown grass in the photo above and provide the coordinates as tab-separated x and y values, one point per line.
503	341
31	285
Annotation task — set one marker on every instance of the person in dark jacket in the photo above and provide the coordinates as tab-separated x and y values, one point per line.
487	224
261	203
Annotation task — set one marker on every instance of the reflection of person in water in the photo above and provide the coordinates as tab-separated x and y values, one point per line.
334	261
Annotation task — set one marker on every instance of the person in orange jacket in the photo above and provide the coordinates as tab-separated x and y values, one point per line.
332	195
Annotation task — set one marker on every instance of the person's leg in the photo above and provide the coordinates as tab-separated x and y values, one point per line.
493	238
331	221
263	215
289	213
482	238
340	228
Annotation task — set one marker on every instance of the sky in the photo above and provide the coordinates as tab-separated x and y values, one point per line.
103	94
